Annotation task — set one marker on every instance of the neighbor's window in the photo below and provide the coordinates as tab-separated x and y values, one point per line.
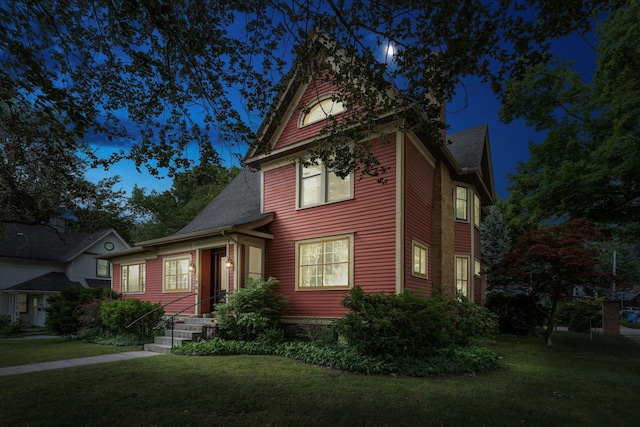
462	275
324	263
322	110
319	185
103	268
476	210
420	254
255	262
22	303
177	275
461	204
133	278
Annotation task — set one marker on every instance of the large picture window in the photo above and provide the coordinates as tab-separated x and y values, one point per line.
177	275
325	263
133	278
420	258
319	185
461	204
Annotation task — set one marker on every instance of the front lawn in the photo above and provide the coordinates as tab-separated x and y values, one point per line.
577	382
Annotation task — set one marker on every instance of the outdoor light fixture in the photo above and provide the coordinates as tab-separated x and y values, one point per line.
229	262
192	266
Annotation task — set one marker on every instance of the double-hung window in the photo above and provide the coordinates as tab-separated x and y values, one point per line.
103	268
462	275
476	210
462	204
177	277
420	258
133	278
319	185
325	263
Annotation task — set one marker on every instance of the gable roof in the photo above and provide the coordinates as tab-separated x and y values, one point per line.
50	282
41	242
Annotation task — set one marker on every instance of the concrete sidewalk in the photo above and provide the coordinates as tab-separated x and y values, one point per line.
105	358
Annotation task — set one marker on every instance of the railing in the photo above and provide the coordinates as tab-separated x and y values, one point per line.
141	319
171	319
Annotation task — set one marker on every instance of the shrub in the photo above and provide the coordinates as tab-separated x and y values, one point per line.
9	327
251	311
517	314
64	316
584	315
117	315
408	325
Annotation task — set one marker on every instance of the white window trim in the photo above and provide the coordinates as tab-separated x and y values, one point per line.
469	275
317	102
189	274
129	264
323	187
416	243
349	236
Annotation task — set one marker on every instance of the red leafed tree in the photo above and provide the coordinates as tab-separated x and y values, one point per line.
552	262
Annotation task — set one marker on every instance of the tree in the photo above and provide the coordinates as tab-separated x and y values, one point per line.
554	261
153	77
587	165
495	242
161	214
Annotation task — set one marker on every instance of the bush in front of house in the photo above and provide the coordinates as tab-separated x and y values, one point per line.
9	327
117	315
582	315
252	311
446	361
409	325
518	314
64	314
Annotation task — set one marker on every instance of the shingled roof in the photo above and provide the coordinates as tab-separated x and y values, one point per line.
236	205
50	282
467	147
40	242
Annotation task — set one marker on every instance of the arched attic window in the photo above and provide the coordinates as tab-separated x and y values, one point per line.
321	110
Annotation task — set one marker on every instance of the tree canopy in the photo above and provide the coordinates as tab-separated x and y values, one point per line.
588	164
151	78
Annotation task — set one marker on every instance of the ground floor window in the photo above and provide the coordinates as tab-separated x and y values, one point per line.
177	275
133	278
462	275
255	262
23	307
420	257
325	263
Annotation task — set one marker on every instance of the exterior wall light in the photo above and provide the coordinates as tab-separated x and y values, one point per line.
229	262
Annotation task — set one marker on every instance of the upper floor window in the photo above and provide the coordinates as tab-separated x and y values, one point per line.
476	210
321	110
325	263
103	268
133	278
319	185
462	203
177	275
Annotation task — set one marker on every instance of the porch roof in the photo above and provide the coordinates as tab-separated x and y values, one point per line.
50	282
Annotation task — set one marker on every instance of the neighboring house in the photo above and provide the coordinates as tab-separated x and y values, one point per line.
37	261
320	235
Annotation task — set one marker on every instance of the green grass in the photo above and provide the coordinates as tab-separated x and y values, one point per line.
26	351
576	383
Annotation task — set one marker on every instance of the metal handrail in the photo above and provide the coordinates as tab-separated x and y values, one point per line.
171	318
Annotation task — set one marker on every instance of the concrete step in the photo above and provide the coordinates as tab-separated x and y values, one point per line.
179	335
195	327
158	348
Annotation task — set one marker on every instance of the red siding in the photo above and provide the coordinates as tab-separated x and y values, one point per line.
154	288
418	208
115	280
370	216
463	237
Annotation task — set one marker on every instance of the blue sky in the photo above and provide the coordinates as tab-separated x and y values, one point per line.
509	142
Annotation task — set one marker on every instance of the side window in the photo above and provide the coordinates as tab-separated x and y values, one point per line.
420	259
324	263
462	275
476	210
255	262
461	204
177	276
103	268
